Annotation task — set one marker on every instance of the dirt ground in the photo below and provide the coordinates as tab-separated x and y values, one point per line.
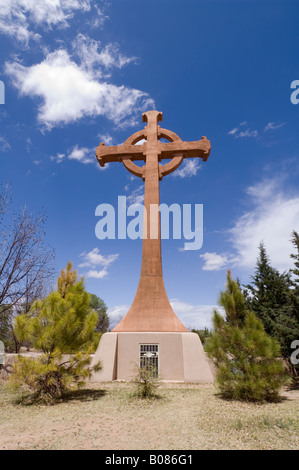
185	417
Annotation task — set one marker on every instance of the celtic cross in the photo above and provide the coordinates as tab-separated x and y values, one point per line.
151	310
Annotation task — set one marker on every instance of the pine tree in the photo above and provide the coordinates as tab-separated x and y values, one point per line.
100	307
61	326
295	275
295	270
66	279
203	334
295	298
246	357
233	302
269	290
5	328
271	298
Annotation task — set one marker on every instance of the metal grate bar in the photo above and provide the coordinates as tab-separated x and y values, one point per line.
149	358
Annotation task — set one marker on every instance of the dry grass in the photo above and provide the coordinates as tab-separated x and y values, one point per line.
186	417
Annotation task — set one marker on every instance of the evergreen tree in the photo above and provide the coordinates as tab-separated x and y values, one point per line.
62	327
100	307
295	270
246	357
295	274
5	328
233	302
203	334
271	298
295	297
269	290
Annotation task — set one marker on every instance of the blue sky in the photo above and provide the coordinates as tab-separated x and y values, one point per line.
78	72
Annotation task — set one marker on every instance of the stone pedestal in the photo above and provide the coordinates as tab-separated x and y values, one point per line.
181	356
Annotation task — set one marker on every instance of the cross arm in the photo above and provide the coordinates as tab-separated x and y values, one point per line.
118	153
199	148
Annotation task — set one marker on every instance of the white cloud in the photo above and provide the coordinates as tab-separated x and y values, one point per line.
118	311
94	258
94	274
141	142
239	134
69	92
253	133
248	133
58	158
99	63
83	155
4	145
194	316
28	144
137	196
116	314
19	17
214	261
271	126
106	138
189	168
272	218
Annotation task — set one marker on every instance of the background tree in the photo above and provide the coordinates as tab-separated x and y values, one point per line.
246	357
295	296
203	334
100	307
62	327
6	329
26	268
295	256
271	298
233	302
295	273
269	290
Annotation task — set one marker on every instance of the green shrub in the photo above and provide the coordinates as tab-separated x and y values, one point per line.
147	381
246	357
62	327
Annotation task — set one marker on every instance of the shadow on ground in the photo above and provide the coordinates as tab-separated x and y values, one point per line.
83	395
294	385
278	399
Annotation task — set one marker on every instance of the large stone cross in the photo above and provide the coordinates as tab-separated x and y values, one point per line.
151	310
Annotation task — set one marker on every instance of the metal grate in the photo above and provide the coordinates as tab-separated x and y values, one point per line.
149	358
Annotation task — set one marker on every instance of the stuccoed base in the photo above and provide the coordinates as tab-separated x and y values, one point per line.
181	357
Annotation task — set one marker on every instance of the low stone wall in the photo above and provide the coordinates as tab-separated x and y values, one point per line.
9	360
